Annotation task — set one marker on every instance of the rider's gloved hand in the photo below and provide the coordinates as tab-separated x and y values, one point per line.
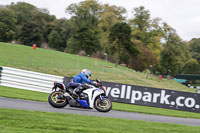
94	84
85	86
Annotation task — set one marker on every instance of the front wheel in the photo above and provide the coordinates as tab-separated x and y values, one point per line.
57	99
102	106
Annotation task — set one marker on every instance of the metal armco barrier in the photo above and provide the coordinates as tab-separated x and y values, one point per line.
21	79
122	93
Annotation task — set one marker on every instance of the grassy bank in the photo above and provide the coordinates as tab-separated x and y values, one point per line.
63	64
18	121
39	96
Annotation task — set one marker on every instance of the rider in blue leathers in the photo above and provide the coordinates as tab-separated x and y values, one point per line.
82	78
79	80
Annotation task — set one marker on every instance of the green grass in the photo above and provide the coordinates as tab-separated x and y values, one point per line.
19	121
39	96
23	94
64	64
154	111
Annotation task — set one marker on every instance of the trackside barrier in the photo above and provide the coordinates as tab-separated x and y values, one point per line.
22	79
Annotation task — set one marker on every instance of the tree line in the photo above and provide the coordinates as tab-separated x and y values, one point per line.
139	42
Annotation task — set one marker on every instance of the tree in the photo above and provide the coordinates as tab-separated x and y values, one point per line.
85	13
155	36
23	12
141	24
144	59
42	20
27	14
174	55
191	67
84	39
55	40
194	45
147	30
7	25
64	28
31	34
85	17
120	37
109	16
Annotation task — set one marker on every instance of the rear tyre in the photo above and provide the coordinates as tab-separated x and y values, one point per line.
104	106
55	100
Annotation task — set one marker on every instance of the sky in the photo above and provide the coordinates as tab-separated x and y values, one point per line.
182	15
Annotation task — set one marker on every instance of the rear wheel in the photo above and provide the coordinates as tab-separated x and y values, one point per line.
57	99
102	106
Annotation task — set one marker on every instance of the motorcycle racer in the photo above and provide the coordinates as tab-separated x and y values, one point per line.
79	80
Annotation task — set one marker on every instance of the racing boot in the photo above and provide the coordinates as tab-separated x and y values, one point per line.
74	95
77	92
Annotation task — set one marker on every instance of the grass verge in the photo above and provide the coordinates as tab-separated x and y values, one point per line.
19	121
39	96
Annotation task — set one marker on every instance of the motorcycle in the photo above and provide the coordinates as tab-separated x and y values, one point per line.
92	97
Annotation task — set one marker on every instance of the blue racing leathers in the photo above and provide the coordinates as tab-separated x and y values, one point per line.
78	80
81	78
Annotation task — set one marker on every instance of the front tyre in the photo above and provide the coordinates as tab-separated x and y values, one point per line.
102	106
55	100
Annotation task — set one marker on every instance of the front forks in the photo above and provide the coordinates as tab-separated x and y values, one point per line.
101	99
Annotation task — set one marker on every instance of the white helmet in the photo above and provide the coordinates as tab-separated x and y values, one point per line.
87	73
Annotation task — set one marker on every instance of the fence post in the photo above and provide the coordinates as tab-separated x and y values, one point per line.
30	60
52	61
11	59
78	64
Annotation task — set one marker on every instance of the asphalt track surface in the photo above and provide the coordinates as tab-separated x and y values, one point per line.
45	107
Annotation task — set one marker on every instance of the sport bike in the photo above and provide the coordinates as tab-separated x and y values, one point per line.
91	97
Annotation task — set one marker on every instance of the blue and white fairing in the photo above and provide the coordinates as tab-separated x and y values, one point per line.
92	94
